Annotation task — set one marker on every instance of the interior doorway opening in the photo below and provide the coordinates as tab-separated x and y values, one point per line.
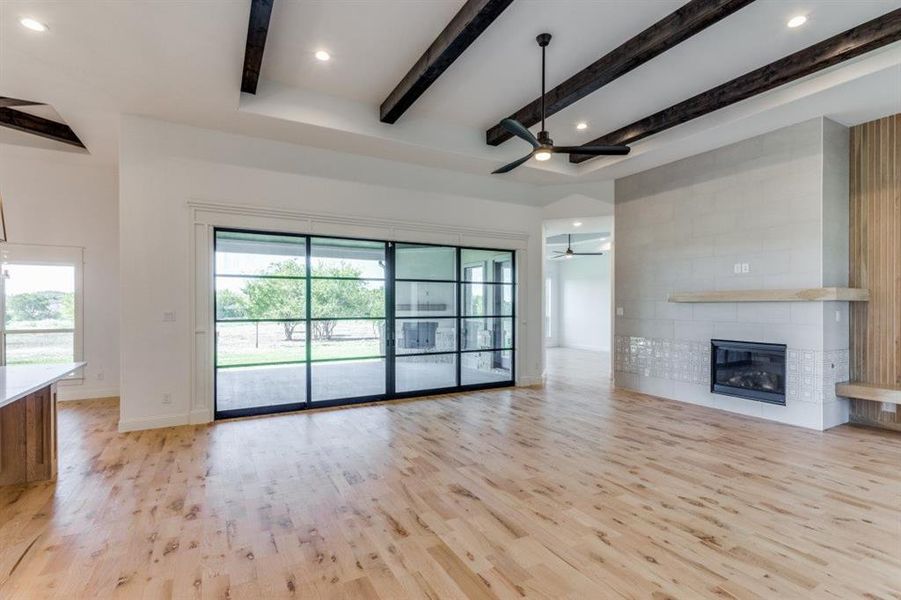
577	297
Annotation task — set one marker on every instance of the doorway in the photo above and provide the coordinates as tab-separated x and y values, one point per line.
578	290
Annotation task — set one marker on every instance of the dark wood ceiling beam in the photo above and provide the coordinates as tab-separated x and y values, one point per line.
852	43
673	29
257	30
468	24
6	102
39	126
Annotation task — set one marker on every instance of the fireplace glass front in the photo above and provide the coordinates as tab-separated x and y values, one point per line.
750	370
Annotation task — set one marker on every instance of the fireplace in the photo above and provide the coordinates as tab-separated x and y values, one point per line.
750	370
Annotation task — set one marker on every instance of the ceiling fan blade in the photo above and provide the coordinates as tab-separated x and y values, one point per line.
593	150
589	253
520	131
513	165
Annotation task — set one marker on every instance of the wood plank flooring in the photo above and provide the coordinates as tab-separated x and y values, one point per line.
571	491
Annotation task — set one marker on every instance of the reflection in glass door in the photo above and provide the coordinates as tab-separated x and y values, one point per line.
426	318
311	321
487	316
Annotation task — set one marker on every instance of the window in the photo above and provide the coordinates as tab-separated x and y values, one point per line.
41	301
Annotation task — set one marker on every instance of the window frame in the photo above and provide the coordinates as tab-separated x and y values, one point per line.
56	256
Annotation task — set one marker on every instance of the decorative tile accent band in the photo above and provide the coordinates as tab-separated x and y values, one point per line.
810	375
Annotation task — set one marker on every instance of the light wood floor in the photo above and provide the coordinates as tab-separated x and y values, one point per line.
573	491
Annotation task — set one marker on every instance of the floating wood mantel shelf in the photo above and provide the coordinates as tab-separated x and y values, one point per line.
876	392
829	294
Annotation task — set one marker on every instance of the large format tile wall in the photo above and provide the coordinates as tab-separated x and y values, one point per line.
777	202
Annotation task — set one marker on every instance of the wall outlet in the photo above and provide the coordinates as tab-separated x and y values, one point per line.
167	398
889	407
736	268
745	268
169	316
619	311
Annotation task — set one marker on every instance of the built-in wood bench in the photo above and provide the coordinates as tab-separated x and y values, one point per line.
869	391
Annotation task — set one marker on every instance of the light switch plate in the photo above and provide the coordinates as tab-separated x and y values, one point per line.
736	268
619	311
745	268
169	316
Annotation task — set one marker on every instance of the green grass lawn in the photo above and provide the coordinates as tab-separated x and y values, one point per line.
234	356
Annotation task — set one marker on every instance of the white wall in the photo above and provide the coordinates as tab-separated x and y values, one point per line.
164	166
54	198
778	202
584	299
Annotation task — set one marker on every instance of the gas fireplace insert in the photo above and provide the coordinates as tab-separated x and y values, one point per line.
751	370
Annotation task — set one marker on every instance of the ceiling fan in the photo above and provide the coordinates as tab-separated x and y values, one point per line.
543	146
569	250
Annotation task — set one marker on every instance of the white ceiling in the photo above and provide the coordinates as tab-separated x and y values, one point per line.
180	60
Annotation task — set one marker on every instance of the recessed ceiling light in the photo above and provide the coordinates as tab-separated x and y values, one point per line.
581	126
797	21
322	55
32	24
577	224
542	155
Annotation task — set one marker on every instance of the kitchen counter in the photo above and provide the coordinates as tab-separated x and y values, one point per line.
28	447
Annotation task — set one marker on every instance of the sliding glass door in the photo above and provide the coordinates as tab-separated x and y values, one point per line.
425	318
312	321
261	322
488	337
347	320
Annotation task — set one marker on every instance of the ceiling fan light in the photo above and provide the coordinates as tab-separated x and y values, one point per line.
542	155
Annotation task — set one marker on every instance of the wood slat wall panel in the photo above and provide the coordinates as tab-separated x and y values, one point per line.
875	237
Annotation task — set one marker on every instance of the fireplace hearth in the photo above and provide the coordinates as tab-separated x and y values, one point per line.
751	370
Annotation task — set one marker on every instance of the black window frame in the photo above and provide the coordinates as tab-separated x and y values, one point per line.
390	354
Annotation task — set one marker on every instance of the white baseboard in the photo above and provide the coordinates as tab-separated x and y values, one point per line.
199	416
529	380
153	422
66	392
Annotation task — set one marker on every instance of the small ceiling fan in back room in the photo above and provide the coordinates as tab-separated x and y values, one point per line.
543	146
569	250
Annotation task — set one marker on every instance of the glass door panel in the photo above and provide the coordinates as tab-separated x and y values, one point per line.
425	372
486	367
420	262
426	318
261	332
425	299
488	334
348	319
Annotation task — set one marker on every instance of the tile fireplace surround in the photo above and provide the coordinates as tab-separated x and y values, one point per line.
777	202
810	377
